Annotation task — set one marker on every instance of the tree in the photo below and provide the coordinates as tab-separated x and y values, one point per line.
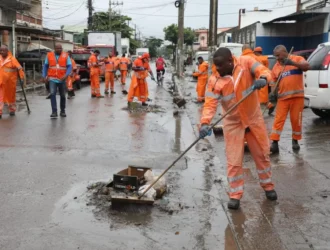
118	23
171	34
153	44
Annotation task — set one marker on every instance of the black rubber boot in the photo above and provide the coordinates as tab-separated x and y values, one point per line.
93	96
271	195
144	104
271	110
73	93
106	92
274	147
54	115
233	204
12	113
113	92
295	145
63	114
124	92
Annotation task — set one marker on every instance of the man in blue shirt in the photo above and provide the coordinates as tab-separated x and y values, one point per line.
49	74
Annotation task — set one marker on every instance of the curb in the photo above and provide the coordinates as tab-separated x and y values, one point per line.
29	88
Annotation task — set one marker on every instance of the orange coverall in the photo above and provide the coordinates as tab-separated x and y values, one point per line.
290	99
139	85
71	78
246	121
111	66
123	67
94	75
202	75
9	70
262	93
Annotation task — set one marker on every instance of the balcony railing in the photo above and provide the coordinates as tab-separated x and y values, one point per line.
16	4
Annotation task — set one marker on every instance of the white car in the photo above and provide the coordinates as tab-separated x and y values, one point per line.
235	48
317	80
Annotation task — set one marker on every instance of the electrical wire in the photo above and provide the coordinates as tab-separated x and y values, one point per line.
84	2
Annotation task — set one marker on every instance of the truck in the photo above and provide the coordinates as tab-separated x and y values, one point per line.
141	51
125	46
105	42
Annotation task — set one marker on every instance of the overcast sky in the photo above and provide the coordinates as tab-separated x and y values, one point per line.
150	16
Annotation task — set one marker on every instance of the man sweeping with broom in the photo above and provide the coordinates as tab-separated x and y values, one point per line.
234	82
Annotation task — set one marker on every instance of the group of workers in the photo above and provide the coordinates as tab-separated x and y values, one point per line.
236	79
60	72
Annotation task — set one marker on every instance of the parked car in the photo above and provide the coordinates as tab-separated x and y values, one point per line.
317	80
304	53
271	61
235	48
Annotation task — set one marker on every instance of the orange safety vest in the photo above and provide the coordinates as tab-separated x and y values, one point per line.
202	71
111	64
291	82
57	68
123	63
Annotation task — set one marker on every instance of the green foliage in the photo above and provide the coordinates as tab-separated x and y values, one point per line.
153	44
171	34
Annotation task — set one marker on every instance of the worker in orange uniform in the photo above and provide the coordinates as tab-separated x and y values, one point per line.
139	85
123	66
290	95
9	71
95	74
202	75
111	66
237	78
71	78
264	92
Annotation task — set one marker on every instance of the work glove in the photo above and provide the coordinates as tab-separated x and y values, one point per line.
259	84
288	62
204	131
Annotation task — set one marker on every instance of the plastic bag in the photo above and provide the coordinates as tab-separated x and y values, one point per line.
148	176
161	184
151	194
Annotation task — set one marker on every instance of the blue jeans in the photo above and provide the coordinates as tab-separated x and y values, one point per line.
53	89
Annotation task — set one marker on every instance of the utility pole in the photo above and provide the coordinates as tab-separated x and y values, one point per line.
14	37
213	31
110	9
90	14
180	51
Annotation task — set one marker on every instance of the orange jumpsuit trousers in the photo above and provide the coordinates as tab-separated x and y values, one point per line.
110	80
296	107
95	83
138	88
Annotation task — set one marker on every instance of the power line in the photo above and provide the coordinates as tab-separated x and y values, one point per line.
84	2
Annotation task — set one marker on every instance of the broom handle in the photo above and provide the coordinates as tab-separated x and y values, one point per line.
195	142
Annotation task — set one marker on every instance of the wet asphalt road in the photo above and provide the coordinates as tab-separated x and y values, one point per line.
46	166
